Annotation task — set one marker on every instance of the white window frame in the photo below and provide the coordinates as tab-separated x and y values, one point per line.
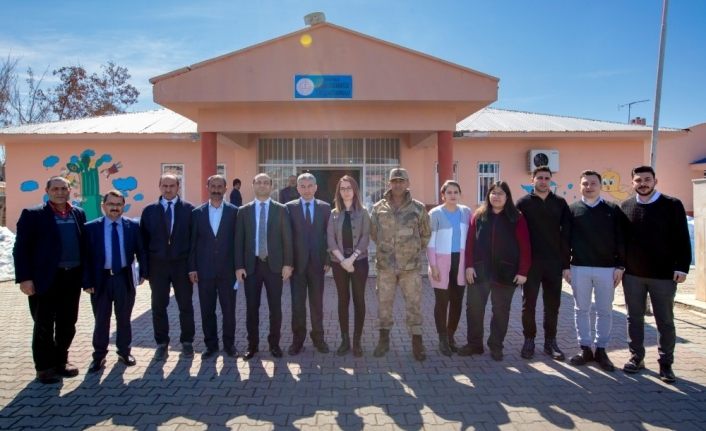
484	176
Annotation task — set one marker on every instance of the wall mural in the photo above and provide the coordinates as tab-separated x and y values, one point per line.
611	187
83	172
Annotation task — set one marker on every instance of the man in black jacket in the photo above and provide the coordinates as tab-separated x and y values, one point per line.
597	266
165	227
48	261
658	256
548	219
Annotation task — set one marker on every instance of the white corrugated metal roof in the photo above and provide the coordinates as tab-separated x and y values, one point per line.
166	121
149	122
501	120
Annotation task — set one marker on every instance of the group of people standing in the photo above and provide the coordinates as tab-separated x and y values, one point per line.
219	247
593	244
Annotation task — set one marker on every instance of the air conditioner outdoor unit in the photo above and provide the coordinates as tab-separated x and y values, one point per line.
544	158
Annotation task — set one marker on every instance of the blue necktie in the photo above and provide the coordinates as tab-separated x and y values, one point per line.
117	263
168	220
308	213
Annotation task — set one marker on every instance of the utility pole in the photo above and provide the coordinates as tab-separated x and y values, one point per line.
658	90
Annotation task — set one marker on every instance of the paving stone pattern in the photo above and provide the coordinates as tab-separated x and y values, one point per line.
313	391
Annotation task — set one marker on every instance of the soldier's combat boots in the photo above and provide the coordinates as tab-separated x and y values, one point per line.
418	348
383	344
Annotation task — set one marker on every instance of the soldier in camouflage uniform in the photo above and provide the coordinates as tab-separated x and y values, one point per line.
401	230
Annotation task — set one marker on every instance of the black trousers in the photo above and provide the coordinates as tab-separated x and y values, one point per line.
308	282
253	293
449	302
662	298
501	301
163	274
210	292
55	313
115	292
347	285
546	273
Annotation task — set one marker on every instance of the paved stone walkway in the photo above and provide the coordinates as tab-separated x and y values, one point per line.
315	391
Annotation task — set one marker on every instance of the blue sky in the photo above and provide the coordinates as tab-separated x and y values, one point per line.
565	57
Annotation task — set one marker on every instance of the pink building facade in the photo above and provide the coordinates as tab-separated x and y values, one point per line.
332	101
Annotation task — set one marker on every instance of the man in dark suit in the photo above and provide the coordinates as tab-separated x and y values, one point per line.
290	192
263	254
112	242
235	197
309	218
165	228
212	265
48	259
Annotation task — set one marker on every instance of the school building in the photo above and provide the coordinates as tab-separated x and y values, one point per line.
332	101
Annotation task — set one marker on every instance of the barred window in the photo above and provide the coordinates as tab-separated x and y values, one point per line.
488	173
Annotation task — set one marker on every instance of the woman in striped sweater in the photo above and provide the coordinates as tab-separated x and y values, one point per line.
445	252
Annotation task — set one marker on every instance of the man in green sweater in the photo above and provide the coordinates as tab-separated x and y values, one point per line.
658	255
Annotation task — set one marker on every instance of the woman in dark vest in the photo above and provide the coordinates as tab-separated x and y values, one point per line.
498	258
348	238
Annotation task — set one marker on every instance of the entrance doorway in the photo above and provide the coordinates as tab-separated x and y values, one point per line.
327	178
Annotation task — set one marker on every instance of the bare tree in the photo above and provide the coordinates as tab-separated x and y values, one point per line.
33	106
7	79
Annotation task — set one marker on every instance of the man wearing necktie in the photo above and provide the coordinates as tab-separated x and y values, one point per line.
263	255
165	226
212	265
112	243
309	217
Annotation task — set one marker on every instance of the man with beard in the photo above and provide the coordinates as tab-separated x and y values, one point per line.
165	226
548	218
658	255
212	265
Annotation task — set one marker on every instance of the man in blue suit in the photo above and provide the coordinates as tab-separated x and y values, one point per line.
212	265
112	242
48	260
309	218
165	227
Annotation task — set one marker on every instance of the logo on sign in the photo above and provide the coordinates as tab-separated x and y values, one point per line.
305	86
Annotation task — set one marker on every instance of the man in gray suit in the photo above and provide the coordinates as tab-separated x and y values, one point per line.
309	218
263	255
212	265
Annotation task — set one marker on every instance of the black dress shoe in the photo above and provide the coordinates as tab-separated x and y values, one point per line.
666	374
96	365
552	349
187	350
583	357
527	351
208	353
161	353
230	351
497	355
321	347
48	377
128	360
295	349
276	351
469	350
250	353
603	360
66	370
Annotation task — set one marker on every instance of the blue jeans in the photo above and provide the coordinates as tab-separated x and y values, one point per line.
585	282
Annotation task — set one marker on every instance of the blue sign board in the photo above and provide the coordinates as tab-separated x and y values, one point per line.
323	86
